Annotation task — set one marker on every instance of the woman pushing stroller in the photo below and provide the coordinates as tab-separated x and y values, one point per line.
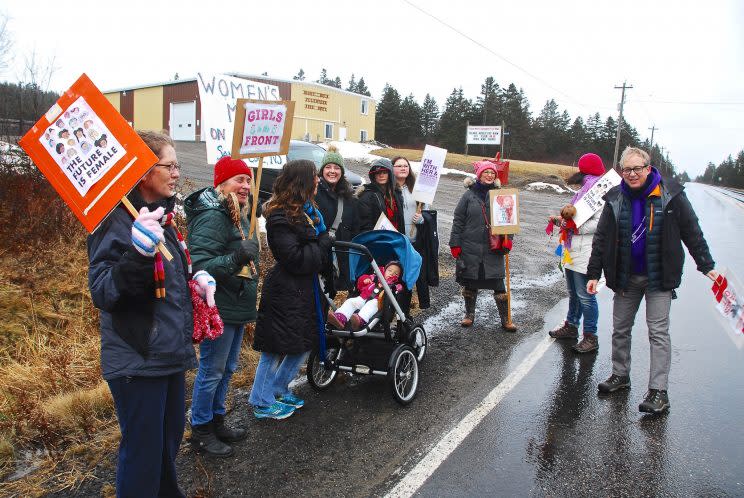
359	310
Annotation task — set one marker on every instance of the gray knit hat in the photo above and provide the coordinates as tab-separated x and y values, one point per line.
332	156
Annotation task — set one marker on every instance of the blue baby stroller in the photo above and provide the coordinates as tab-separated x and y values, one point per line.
380	348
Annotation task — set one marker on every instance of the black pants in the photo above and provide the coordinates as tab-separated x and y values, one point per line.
151	413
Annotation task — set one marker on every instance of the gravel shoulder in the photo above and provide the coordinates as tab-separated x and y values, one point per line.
354	439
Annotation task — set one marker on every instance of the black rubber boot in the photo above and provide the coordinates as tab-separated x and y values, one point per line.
225	433
503	306
204	439
470	296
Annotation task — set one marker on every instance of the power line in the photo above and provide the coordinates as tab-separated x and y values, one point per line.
687	102
493	52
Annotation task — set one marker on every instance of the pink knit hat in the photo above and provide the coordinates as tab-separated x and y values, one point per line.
481	166
591	164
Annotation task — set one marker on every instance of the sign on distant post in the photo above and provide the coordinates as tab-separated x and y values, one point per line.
592	201
218	94
262	128
427	180
483	135
88	152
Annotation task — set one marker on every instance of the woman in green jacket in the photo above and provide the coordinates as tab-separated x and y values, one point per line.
218	246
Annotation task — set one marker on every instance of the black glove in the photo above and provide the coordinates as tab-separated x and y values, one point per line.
325	241
248	251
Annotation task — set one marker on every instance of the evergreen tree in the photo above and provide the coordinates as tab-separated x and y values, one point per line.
429	117
323	80
352	84
411	117
388	116
336	83
516	114
362	89
578	138
452	123
300	76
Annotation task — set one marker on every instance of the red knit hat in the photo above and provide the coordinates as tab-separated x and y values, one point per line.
591	164
227	167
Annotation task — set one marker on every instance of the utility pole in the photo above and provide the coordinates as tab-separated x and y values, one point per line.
619	122
661	159
651	147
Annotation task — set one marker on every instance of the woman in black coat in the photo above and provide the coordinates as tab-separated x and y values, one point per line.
380	196
479	267
334	191
287	323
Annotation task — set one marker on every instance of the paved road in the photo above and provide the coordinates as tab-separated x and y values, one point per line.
553	435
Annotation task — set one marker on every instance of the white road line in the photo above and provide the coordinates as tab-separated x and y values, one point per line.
439	453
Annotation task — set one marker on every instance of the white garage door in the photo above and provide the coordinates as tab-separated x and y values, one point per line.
183	121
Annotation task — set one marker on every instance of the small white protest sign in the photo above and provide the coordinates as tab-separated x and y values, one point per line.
427	181
383	223
218	94
592	200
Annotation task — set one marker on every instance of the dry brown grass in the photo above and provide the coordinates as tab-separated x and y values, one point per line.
57	416
465	163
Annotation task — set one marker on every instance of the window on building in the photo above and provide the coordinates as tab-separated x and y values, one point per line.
329	131
363	135
365	106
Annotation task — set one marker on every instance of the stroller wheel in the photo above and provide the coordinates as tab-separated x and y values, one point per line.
419	342
403	374
318	375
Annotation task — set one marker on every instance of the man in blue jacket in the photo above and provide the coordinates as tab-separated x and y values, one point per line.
638	245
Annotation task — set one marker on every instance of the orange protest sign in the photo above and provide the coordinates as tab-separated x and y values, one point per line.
88	152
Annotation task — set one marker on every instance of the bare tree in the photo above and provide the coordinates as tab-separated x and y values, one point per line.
6	43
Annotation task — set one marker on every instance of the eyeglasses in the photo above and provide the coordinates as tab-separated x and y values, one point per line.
637	170
171	167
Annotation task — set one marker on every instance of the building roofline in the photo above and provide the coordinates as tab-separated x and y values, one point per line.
239	75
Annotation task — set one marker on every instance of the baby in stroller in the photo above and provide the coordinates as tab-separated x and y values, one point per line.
359	310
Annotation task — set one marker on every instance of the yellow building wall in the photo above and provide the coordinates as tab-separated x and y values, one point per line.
115	99
316	105
148	108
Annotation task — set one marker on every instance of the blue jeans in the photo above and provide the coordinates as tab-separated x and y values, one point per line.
581	303
218	360
150	411
273	375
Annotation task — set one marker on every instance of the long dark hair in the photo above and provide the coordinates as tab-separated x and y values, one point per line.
410	179
576	179
292	189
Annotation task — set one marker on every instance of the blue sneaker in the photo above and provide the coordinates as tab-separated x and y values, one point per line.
276	411
291	400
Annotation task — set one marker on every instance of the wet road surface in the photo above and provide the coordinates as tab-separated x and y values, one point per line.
554	435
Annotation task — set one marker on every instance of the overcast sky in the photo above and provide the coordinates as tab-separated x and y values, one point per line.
684	59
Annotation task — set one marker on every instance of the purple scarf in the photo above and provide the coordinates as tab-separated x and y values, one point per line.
638	220
589	181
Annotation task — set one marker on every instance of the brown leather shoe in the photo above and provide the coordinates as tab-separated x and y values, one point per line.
565	331
335	323
467	320
588	344
356	322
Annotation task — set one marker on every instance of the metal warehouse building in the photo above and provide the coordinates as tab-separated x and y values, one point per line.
321	112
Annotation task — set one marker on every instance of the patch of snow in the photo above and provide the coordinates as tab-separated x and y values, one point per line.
354	150
547	186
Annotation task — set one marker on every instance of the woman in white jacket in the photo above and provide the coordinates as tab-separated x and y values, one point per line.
580	302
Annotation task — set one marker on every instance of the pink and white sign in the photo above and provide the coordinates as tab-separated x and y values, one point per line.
263	129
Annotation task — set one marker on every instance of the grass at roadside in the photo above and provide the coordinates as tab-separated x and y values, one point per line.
517	168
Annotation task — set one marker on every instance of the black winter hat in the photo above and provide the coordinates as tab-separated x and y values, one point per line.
377	165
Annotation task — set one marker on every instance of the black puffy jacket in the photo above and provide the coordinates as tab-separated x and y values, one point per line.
287	322
611	252
327	201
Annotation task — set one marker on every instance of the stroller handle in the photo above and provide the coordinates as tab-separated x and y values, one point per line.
352	245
